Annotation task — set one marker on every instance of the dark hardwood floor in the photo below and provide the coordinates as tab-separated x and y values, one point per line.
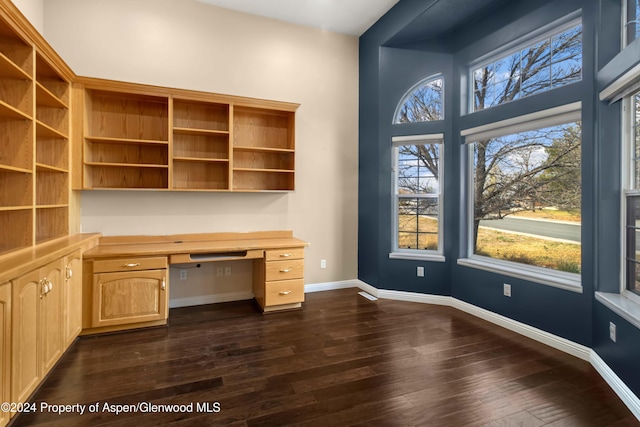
342	360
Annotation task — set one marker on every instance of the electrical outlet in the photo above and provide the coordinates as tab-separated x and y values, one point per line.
183	274
219	271
612	331
420	271
506	289
323	263
227	271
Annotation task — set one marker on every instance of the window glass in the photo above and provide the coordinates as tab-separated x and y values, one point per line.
633	198
632	21
527	197
423	103
554	61
418	196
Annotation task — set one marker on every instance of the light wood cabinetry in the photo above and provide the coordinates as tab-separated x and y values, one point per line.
144	137
34	136
5	349
72	297
37	344
279	279
128	291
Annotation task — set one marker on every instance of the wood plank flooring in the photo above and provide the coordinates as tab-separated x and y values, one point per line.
341	361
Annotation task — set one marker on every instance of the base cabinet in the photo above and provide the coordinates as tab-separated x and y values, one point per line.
37	315
72	325
5	349
129	291
279	279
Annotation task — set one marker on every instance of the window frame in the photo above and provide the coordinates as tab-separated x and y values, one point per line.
546	32
417	254
625	21
411	90
628	190
553	116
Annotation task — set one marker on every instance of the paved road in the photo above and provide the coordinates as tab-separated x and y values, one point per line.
552	229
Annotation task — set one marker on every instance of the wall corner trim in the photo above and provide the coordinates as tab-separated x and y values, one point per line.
582	352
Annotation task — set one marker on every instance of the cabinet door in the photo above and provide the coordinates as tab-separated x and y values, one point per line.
129	297
51	315
72	313
25	367
5	349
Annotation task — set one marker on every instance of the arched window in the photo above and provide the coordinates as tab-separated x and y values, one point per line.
424	102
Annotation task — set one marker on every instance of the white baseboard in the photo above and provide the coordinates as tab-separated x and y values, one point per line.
210	299
621	389
562	344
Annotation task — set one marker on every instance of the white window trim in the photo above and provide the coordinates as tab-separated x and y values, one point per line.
548	31
538	120
412	89
417	254
627	184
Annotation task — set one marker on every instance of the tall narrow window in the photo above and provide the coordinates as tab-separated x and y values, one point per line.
422	103
552	61
417	175
631	28
632	192
526	192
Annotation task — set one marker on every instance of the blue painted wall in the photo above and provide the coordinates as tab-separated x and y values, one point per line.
387	72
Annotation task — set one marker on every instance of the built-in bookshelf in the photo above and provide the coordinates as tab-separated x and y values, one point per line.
141	137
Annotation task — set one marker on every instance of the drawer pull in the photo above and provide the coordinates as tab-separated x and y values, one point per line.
285	270
285	255
133	264
285	292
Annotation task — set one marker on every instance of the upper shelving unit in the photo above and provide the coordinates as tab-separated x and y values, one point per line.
126	142
142	137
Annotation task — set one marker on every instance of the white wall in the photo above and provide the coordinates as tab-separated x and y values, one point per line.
33	10
187	44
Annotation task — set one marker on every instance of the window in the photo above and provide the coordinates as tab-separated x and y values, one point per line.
525	193
417	204
631	27
422	103
554	60
632	193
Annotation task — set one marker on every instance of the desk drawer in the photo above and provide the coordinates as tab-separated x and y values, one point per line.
284	254
284	270
284	292
129	264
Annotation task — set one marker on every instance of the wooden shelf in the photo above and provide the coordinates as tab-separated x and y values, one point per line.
200	175
16	229
126	176
262	180
5	168
16	189
9	112
9	70
187	131
197	115
125	141
126	116
41	167
45	131
51	222
199	159
46	98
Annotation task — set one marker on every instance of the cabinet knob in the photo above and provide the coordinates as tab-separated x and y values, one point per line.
285	292
69	273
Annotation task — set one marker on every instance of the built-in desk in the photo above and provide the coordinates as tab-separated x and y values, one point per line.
126	280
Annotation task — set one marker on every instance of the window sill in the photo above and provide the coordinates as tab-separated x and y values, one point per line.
417	257
566	281
624	307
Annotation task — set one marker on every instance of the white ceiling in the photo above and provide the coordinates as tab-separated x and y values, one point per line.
352	17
